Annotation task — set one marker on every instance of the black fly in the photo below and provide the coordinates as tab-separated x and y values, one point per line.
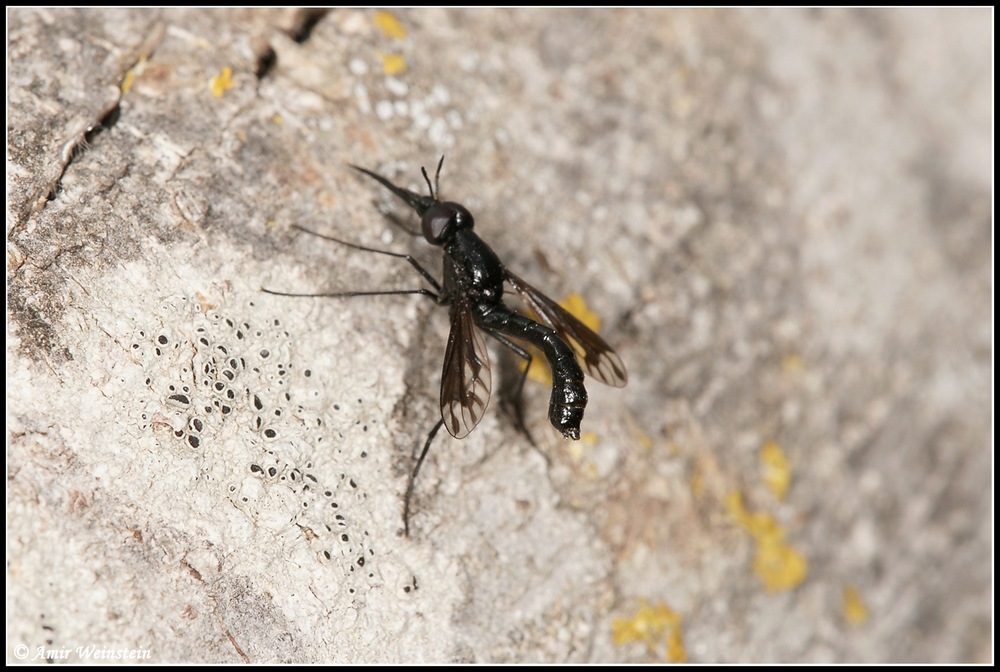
473	286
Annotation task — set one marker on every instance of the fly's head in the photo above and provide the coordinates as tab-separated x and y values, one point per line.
439	221
442	221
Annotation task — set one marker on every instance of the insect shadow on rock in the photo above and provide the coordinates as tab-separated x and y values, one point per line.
473	287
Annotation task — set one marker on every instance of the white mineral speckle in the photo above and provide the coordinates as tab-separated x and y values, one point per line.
357	67
396	87
383	109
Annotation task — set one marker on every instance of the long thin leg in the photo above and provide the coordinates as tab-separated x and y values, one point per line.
518	410
413	476
519	351
409	259
341	295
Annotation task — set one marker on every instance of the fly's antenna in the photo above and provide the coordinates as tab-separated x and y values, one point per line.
430	187
436	189
437	176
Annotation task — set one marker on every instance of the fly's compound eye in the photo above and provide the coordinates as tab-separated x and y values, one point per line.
441	221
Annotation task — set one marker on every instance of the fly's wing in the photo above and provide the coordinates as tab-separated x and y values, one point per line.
465	380
594	355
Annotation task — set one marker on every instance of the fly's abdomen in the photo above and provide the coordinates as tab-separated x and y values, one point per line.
569	396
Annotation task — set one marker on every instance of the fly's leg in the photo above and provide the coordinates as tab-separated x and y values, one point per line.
343	295
413	476
409	258
513	406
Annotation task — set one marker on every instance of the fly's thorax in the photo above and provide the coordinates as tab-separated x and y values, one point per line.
474	267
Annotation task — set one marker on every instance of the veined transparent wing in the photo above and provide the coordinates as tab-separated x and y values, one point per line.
593	353
465	380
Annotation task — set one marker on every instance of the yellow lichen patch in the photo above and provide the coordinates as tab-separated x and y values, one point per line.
642	438
129	79
578	308
222	82
655	627
855	609
390	25
777	564
393	64
539	371
578	451
793	364
277	119
777	471
675	646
